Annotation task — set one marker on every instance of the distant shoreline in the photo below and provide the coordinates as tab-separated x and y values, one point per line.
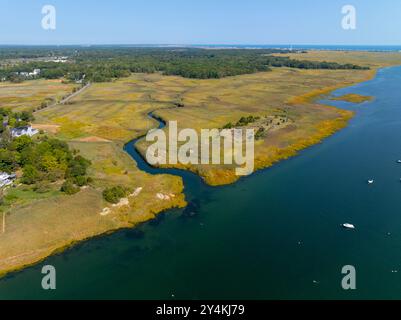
319	47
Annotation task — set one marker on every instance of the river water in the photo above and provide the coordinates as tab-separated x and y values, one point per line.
273	235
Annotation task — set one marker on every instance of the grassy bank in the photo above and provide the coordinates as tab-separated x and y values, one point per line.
212	104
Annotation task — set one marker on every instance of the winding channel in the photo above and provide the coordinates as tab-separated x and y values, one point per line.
190	179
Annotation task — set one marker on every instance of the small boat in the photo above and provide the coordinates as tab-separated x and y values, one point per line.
348	226
399	161
371	181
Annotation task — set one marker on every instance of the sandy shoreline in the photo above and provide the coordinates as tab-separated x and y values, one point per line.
32	258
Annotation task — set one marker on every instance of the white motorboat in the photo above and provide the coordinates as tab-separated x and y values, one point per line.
348	226
371	181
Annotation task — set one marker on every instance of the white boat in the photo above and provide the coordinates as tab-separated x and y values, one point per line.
371	181
348	226
399	161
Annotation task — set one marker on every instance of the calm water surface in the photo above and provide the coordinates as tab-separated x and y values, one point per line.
274	235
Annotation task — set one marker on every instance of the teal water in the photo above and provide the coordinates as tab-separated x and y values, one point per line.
274	235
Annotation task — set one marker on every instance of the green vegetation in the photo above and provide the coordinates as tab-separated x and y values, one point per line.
26	194
14	119
69	187
43	161
260	134
114	194
244	121
76	175
102	64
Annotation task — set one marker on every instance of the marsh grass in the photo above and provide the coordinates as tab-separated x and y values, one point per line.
29	95
353	98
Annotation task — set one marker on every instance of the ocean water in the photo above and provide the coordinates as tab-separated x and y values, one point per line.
307	47
274	235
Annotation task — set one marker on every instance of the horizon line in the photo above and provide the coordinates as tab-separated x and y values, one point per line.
195	45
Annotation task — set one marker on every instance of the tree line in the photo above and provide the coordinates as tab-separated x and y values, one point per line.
102	64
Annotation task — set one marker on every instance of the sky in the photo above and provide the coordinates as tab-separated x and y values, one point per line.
258	22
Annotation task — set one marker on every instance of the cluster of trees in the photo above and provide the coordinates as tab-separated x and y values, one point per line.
305	64
102	64
14	119
115	194
244	121
43	161
260	133
76	175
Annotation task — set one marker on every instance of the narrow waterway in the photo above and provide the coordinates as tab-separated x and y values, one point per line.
273	235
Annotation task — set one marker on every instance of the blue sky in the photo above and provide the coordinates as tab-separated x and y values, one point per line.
201	22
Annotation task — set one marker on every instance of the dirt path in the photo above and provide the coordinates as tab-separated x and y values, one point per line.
65	100
71	96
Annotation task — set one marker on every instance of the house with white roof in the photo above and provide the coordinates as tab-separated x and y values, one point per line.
35	73
6	179
23	131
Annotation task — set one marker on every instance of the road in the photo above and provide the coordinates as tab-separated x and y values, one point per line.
73	95
68	98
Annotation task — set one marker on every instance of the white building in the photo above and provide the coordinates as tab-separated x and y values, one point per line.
6	179
23	131
35	73
58	59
